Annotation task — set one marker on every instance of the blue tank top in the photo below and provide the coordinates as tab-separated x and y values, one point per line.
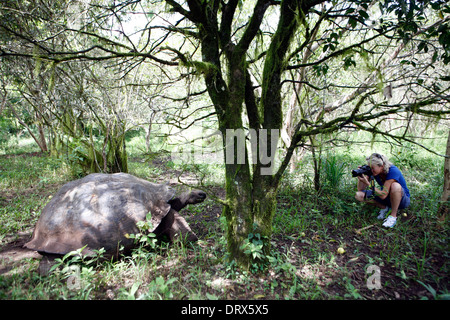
396	174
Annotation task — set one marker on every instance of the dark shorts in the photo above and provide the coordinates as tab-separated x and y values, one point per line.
404	203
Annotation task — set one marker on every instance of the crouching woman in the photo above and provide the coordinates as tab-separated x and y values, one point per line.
393	195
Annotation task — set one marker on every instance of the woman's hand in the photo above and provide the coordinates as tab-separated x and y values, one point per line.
364	180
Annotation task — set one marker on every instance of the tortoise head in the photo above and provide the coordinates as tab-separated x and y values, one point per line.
193	197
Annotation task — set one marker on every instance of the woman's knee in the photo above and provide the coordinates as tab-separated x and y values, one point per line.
396	187
359	196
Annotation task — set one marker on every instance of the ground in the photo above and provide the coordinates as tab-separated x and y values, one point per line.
304	264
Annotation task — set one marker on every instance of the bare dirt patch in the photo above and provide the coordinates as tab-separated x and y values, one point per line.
13	253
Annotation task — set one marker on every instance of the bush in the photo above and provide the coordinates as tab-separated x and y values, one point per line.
333	171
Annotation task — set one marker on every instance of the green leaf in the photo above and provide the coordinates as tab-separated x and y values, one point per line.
134	288
211	296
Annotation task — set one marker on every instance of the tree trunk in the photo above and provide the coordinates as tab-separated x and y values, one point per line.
228	99
114	152
250	196
445	199
43	143
238	186
149	131
264	209
38	140
238	212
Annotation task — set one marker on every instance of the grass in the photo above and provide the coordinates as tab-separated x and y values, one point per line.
309	227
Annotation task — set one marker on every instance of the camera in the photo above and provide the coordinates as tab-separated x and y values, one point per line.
365	169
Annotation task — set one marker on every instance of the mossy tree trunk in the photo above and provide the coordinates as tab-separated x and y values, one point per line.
112	157
227	97
250	194
109	156
445	199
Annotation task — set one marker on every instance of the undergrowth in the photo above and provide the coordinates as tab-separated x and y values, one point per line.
304	263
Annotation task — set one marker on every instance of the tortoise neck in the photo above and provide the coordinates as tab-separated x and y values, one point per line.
177	204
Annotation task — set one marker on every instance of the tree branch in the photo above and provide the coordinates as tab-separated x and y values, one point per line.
176	7
227	18
339	52
254	25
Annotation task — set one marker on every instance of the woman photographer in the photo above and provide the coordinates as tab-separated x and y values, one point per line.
393	195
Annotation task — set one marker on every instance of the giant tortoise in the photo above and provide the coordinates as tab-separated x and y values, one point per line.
101	210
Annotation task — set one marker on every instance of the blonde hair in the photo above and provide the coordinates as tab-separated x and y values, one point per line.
380	160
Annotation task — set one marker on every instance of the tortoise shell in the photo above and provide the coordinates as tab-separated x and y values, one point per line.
100	211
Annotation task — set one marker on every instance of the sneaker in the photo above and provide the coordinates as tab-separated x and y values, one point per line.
390	222
383	213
